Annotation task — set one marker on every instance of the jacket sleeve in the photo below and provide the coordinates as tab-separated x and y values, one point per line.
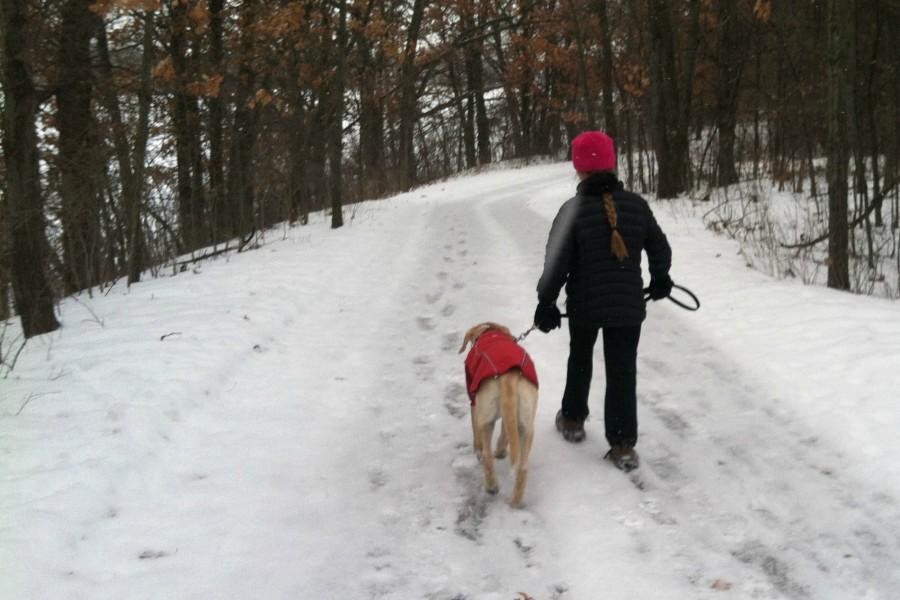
659	253
559	255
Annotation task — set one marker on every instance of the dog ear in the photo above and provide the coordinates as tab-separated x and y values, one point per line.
472	335
467	339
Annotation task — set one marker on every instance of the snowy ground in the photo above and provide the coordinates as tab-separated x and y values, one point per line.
292	423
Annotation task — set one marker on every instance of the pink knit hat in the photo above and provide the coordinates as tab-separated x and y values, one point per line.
593	151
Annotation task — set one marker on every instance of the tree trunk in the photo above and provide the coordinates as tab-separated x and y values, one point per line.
463	103
24	202
336	143
893	159
482	123
216	116
186	122
729	74
509	94
587	96
371	123
131	169
297	144
136	236
839	65
5	250
606	67
240	190
670	128
78	160
408	105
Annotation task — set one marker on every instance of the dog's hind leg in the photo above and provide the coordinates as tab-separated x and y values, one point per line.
527	407
502	444
487	460
476	437
509	412
522	468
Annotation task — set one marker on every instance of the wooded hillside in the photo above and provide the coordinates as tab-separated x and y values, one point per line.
135	131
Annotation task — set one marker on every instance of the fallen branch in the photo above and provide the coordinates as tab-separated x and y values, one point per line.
32	396
204	256
163	338
874	204
10	365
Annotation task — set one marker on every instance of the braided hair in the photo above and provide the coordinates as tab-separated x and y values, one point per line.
618	244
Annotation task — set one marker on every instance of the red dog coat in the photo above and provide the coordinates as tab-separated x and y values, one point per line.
493	354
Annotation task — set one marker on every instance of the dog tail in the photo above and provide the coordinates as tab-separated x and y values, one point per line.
509	411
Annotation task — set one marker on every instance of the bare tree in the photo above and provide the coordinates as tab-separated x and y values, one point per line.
408	107
728	86
839	68
24	200
78	148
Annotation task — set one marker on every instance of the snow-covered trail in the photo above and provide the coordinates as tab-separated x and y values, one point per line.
306	435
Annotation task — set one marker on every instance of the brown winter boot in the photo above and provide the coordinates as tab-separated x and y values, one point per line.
623	457
572	430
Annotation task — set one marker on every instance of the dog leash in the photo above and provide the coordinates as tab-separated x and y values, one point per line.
525	334
693	308
693	296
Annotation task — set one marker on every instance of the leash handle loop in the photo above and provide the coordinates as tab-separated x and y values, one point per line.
696	301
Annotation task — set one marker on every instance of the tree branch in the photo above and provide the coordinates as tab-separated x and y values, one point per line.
874	204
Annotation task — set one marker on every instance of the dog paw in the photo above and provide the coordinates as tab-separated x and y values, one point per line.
500	453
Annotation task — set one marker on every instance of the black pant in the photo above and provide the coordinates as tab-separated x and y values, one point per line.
620	357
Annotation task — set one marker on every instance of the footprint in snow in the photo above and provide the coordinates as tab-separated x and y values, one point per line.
381	578
450	341
433	298
651	507
442	275
424	368
473	510
448	310
657	366
470	515
672	420
456	400
525	551
425	323
666	467
777	571
377	478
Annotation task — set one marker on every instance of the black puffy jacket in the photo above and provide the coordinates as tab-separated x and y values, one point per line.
601	290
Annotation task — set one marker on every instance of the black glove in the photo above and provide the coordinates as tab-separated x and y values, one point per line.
547	317
660	287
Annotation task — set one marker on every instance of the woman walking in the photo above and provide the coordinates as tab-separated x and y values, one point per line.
594	248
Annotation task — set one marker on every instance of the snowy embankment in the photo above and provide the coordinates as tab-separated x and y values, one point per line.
292	423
